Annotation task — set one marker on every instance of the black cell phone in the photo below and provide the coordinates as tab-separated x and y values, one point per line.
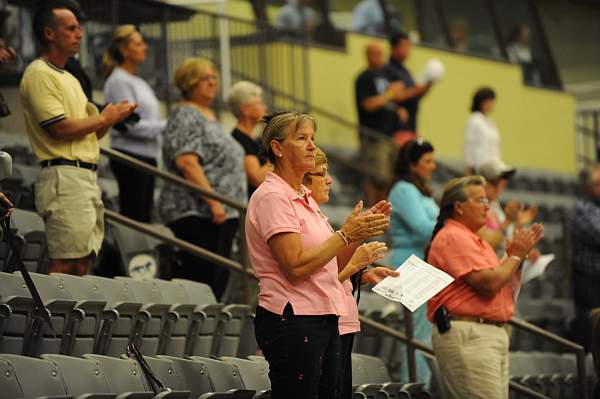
442	320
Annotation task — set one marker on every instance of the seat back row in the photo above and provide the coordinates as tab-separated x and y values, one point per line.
103	377
94	314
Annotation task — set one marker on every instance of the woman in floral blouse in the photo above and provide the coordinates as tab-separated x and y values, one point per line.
197	148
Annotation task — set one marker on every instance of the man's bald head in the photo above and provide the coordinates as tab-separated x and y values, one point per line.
374	54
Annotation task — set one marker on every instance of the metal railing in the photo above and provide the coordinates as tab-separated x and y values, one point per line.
243	267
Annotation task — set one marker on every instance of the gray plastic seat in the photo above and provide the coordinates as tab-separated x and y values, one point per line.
138	251
162	319
32	334
124	320
81	376
219	333
123	376
15	315
85	328
204	332
165	370
179	338
254	375
8	381
194	375
224	377
35	378
90	299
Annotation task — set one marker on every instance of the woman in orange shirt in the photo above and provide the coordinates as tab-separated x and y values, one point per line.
470	343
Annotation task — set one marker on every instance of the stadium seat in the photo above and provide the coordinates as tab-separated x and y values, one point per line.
179	336
254	375
34	378
224	377
124	319
81	376
138	252
194	374
52	289
125	377
30	330
162	319
218	334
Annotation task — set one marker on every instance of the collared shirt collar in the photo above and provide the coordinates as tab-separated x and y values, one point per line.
289	191
456	224
51	65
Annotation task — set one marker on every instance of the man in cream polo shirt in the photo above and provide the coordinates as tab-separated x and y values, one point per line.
64	129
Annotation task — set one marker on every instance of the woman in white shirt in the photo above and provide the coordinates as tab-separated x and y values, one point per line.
482	140
140	139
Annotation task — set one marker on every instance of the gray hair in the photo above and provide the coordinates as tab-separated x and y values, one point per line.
242	93
453	192
278	126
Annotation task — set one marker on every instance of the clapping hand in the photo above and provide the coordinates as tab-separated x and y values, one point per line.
360	226
524	240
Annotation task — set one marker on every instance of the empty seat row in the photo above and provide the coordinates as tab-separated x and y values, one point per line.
103	377
94	314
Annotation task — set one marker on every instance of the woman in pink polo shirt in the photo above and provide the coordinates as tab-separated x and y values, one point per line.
470	344
293	252
318	181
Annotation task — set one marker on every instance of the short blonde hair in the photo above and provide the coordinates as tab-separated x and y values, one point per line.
279	125
242	93
188	73
320	159
112	56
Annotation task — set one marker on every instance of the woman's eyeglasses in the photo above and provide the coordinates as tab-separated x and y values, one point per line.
320	174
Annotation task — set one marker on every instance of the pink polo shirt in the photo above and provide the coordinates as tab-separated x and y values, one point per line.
349	323
276	208
458	251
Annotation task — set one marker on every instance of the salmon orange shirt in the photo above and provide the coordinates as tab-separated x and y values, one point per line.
458	251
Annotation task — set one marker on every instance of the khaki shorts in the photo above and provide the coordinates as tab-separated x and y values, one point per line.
69	200
378	158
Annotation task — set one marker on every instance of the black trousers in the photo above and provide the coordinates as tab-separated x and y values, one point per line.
217	238
303	353
346	342
136	188
586	295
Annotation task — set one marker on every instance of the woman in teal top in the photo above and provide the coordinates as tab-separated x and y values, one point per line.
414	214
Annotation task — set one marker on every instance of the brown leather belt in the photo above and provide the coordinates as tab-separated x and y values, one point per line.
477	319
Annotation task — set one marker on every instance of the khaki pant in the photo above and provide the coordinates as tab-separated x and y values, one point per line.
69	200
473	360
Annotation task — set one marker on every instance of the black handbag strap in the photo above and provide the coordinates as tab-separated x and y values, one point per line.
155	383
40	311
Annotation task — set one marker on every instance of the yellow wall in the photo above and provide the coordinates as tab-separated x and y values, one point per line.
537	126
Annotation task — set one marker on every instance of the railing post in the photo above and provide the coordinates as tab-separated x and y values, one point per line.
224	50
582	374
410	349
596	129
244	258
